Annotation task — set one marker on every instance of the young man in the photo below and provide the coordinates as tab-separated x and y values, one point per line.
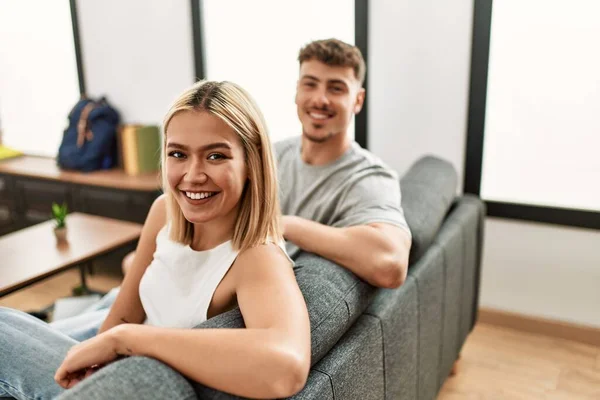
338	200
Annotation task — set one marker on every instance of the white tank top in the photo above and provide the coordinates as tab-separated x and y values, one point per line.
178	285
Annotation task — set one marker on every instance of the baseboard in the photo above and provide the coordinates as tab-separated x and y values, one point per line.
547	327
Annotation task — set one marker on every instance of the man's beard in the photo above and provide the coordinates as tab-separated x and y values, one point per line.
319	139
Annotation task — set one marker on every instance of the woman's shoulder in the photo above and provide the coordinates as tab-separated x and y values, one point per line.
265	256
261	265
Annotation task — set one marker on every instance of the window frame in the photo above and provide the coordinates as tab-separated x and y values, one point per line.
482	21
77	43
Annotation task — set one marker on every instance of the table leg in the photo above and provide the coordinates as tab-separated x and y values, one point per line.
83	288
82	277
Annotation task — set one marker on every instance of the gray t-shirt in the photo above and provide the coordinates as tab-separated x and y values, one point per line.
356	189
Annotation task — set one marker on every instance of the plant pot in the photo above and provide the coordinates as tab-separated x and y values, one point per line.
61	234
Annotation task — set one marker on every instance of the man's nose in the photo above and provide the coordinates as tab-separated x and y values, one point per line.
320	99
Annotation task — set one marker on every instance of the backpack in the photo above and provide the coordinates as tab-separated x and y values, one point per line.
90	141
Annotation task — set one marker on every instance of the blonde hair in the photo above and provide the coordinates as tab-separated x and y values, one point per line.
259	214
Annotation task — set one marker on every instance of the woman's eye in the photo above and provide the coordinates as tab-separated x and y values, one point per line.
216	156
176	154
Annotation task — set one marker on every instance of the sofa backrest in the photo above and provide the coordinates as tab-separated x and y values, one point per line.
428	190
426	321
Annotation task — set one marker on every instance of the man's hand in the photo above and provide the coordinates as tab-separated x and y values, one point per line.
85	358
287	222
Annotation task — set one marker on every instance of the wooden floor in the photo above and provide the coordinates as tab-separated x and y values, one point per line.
44	293
500	363
496	363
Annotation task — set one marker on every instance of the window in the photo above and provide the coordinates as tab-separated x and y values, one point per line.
534	123
38	74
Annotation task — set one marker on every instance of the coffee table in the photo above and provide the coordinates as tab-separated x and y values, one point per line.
32	254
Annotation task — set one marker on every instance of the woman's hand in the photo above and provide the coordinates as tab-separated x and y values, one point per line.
86	357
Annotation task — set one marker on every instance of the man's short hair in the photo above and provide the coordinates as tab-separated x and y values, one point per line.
335	53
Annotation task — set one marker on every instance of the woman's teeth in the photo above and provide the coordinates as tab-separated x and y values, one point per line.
200	195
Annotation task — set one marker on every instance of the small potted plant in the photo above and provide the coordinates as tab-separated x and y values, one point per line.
59	213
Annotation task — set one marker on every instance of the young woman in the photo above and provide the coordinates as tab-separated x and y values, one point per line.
211	242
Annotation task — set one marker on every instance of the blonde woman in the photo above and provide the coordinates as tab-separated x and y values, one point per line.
211	242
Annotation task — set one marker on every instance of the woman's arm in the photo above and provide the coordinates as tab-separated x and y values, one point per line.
127	308
271	358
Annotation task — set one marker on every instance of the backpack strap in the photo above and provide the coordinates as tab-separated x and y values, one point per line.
84	132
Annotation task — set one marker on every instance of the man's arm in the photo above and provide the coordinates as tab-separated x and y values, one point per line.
377	253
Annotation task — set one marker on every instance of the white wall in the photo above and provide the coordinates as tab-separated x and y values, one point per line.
543	270
138	53
419	70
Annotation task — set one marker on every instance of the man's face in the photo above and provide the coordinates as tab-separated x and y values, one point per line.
327	97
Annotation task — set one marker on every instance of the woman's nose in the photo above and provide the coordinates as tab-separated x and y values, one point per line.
197	172
200	177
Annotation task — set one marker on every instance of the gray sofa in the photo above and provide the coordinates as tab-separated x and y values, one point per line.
367	343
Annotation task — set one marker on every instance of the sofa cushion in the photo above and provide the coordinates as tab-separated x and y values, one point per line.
318	386
355	364
428	190
398	311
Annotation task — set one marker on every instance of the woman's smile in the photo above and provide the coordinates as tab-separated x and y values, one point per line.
199	198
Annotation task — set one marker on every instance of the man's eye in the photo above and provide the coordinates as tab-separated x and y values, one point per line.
176	154
336	89
309	84
216	156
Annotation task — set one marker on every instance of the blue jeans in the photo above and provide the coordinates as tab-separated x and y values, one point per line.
31	350
30	353
86	325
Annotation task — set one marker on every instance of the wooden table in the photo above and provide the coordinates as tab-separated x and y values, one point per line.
46	168
29	185
32	254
